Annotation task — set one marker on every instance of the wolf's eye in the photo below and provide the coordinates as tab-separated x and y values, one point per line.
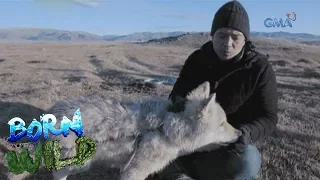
221	124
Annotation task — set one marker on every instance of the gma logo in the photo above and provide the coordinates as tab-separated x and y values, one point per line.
269	22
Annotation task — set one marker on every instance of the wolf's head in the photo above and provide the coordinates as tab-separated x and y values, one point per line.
209	117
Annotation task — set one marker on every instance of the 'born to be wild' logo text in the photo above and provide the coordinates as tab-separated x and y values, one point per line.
50	150
269	22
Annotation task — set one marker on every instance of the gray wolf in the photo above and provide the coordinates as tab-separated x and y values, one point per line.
163	136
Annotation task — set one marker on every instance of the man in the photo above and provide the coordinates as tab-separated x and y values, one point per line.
246	89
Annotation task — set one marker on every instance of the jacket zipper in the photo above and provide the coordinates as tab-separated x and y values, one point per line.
217	83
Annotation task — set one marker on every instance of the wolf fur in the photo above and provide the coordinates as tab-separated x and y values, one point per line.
165	136
142	137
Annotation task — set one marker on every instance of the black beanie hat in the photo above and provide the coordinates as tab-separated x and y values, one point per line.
233	15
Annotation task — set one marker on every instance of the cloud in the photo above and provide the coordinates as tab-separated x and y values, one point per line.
88	3
181	16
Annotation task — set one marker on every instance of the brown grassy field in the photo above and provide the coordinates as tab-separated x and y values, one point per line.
34	76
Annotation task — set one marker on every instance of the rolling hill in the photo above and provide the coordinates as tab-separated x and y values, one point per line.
38	34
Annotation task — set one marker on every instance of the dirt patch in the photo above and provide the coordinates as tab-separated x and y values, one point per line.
286	48
127	85
288	71
298	88
75	78
279	63
307	61
140	63
96	62
6	74
311	73
175	68
297	67
298	72
35	62
106	46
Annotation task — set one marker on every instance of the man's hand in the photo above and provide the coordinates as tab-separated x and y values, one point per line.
242	142
178	105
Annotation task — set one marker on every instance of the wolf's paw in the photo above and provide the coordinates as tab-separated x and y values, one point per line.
125	176
130	176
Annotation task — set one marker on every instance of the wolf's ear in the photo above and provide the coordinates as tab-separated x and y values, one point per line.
201	92
207	105
211	101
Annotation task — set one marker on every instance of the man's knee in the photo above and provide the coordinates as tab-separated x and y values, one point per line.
253	157
222	165
246	164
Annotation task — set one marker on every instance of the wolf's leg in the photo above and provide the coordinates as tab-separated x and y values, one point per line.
63	173
60	174
68	150
152	155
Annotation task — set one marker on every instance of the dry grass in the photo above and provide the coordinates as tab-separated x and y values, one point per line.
35	75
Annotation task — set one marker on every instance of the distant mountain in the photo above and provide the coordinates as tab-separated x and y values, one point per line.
38	34
110	37
287	35
143	36
188	39
195	40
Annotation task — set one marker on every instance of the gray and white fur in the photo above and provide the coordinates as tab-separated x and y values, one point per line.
142	137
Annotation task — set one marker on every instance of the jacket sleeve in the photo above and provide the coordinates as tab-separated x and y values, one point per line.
264	107
185	82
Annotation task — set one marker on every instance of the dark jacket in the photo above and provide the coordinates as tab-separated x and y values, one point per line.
246	87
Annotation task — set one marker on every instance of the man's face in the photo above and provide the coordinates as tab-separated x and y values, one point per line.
227	43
